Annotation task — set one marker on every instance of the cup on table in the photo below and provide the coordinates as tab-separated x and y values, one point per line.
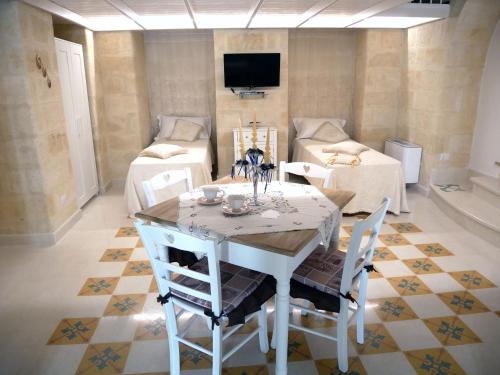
236	201
211	192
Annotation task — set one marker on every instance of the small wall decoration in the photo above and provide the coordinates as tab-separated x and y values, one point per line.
41	67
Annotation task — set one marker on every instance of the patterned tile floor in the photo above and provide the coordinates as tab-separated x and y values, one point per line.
87	305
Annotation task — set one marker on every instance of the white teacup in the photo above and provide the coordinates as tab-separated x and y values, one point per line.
210	192
236	201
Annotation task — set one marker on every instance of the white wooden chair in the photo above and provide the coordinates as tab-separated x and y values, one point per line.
167	185
345	273
308	170
200	290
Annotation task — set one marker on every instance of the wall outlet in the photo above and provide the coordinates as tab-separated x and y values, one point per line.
444	156
62	199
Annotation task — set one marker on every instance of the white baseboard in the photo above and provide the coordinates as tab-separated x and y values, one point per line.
41	239
67	225
424	190
119	183
105	188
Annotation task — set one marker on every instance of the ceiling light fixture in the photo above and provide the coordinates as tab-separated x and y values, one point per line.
166	22
112	23
221	21
379	22
329	22
341	18
398	16
405	16
275	21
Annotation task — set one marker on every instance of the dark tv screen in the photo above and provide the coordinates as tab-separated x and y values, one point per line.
251	69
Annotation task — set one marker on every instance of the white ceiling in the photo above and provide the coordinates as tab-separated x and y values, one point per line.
104	15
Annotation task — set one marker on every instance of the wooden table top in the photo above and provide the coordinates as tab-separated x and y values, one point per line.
286	243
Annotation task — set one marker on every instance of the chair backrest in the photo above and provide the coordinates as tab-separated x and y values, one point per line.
167	185
157	239
359	256
308	170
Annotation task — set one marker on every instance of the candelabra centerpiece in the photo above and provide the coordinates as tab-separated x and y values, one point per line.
254	163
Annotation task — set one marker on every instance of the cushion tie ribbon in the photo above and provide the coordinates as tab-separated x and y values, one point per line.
370	268
163	299
349	297
214	318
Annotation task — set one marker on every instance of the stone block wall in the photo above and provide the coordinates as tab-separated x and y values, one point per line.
321	75
445	64
377	99
122	68
181	74
37	186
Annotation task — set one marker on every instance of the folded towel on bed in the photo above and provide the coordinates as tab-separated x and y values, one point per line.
162	150
346	147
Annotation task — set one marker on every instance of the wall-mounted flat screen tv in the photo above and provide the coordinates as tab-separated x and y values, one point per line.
251	70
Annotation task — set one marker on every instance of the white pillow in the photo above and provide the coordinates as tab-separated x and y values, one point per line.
185	130
346	147
306	127
329	132
167	124
162	151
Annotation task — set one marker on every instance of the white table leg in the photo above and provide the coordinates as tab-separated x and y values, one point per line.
282	306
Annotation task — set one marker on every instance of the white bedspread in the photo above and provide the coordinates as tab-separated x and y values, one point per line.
199	159
377	176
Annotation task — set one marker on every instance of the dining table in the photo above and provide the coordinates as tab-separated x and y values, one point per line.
277	254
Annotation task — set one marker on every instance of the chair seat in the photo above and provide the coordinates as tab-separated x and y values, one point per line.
243	290
322	270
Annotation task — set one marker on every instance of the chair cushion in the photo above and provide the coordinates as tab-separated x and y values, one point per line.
239	286
322	270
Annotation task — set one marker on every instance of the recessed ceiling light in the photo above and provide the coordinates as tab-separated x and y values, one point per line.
377	22
275	21
404	16
112	23
221	21
166	22
326	21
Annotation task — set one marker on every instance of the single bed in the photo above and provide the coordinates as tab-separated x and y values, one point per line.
199	159
376	176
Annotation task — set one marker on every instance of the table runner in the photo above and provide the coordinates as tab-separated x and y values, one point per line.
286	207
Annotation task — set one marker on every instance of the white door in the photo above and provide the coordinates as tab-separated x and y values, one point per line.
77	114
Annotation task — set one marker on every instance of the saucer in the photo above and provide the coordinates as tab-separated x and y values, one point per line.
204	201
226	208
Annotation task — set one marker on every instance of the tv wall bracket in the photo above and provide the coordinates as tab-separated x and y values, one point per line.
250	94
